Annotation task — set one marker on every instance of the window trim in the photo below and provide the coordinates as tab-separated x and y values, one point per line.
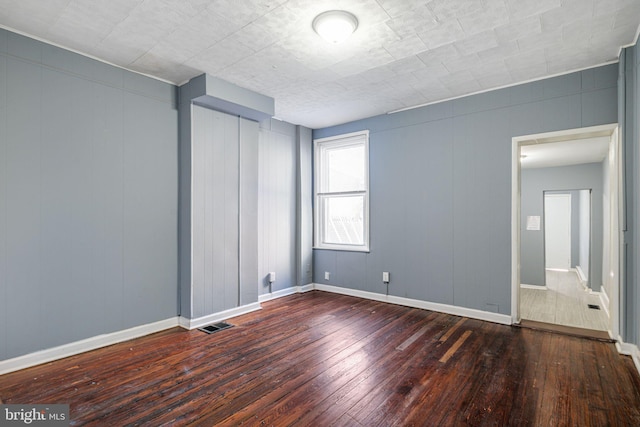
347	139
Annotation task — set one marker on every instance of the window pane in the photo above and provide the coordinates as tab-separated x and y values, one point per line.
344	220
345	169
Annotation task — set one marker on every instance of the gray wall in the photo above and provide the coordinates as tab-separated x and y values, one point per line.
277	205
88	197
629	107
533	184
248	233
304	206
285	224
440	179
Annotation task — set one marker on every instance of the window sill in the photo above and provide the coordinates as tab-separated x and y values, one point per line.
340	249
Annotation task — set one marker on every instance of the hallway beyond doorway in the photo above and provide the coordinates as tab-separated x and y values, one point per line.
565	302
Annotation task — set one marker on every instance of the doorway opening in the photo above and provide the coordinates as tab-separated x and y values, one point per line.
566	197
557	230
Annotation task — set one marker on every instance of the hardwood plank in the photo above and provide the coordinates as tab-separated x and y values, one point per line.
324	359
525	375
413	338
497	382
453	329
447	391
455	347
349	360
381	348
362	383
253	380
389	387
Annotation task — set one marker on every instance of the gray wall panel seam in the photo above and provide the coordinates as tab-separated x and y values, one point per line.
89	79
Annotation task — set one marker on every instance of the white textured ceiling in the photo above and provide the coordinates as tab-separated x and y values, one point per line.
404	53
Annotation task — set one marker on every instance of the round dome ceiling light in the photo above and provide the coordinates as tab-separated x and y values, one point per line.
335	26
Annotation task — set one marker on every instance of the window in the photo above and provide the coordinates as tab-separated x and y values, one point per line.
342	192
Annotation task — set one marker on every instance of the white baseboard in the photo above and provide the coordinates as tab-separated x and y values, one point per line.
77	347
218	317
306	288
581	276
629	350
284	292
536	287
93	343
442	308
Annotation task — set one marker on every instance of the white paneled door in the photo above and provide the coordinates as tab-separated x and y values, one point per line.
557	231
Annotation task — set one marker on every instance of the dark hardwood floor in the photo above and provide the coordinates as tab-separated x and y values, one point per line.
320	359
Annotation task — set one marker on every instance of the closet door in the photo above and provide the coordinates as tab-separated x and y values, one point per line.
215	211
248	212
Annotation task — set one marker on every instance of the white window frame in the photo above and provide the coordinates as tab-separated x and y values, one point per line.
354	138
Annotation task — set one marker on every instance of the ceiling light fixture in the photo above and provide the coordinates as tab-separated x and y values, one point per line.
335	26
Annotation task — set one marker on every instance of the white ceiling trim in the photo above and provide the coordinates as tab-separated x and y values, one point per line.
505	86
95	58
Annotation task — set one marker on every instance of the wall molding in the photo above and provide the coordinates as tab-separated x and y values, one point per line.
536	287
285	292
426	305
581	276
472	313
77	347
629	350
218	317
82	346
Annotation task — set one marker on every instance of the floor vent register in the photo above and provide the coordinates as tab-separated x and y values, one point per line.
215	327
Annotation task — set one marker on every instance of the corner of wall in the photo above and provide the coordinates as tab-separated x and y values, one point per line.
304	206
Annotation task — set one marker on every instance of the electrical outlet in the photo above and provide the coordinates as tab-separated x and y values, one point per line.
272	277
385	277
327	275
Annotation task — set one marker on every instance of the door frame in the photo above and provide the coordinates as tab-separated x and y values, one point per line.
611	130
